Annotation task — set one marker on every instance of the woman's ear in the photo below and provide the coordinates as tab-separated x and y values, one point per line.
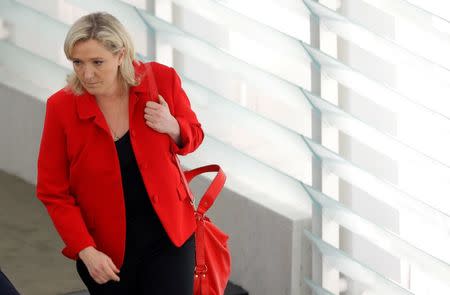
121	55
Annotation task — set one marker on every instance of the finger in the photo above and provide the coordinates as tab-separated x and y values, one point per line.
151	121
150	124
108	273
152	110
100	279
154	126
152	105
161	100
153	117
113	266
111	274
95	274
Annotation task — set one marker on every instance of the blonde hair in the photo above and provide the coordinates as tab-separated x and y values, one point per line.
107	30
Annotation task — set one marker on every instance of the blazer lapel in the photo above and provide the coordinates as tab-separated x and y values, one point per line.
87	108
145	90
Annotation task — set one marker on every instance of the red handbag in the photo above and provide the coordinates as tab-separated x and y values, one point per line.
212	256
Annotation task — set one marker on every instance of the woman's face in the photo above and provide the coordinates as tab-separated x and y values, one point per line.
96	67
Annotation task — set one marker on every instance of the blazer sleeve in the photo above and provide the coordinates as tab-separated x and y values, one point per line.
190	129
53	186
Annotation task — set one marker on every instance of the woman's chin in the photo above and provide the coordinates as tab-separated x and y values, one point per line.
92	90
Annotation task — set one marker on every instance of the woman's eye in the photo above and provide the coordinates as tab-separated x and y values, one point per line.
98	62
76	62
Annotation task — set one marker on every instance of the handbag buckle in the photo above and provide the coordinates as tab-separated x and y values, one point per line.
198	216
201	270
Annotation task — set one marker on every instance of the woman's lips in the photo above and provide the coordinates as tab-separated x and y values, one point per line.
92	84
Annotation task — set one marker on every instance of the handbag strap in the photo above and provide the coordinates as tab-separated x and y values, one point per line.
218	182
210	195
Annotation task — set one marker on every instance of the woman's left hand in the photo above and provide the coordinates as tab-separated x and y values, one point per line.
158	117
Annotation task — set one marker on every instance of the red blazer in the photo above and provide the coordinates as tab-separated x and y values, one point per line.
79	178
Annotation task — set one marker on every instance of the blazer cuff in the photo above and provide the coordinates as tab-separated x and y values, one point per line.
186	138
72	252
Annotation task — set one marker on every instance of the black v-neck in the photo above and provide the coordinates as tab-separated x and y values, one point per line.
122	138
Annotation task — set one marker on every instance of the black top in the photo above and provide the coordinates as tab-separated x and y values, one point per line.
143	225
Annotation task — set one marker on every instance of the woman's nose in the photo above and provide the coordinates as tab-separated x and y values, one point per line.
88	73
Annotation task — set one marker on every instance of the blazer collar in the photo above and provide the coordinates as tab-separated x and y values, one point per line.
87	106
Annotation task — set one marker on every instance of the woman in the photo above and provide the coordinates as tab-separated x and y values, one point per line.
107	170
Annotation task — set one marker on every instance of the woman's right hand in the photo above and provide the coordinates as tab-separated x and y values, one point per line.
100	266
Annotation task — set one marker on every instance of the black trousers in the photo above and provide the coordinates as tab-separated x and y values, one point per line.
6	287
157	269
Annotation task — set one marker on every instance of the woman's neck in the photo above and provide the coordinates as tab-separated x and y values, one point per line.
114	95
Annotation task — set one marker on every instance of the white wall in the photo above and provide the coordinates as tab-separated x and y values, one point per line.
21	121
